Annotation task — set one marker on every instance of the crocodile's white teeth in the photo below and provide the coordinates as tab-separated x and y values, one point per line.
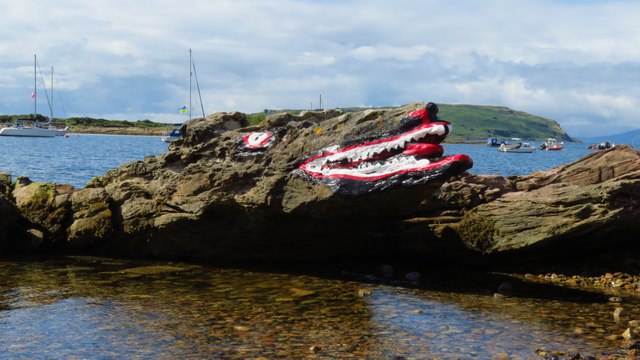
363	166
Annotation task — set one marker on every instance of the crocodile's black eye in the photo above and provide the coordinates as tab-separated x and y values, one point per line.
409	123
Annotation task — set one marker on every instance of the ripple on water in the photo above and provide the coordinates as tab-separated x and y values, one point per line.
80	307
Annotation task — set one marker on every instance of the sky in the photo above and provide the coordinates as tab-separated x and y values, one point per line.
576	62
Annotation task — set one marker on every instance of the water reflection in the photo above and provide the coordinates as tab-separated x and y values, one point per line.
102	308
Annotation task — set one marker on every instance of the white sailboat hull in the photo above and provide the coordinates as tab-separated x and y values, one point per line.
28	131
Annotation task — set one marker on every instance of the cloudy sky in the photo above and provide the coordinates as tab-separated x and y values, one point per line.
577	62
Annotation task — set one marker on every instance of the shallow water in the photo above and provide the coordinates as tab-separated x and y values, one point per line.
83	307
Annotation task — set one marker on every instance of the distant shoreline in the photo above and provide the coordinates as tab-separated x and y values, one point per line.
116	131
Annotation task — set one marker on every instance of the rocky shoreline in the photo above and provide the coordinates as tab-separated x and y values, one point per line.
98	130
228	192
219	194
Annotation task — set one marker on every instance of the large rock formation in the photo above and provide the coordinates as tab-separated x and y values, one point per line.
321	184
324	185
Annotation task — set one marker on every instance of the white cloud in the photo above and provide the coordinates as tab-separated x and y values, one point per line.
373	53
576	62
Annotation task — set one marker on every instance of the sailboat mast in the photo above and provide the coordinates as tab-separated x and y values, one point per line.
35	90
195	74
190	75
51	105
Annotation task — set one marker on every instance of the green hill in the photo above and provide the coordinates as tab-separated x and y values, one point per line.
477	122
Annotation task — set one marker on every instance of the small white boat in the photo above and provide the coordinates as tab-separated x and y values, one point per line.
62	132
173	135
517	147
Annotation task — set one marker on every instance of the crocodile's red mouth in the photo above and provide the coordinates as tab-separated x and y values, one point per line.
408	158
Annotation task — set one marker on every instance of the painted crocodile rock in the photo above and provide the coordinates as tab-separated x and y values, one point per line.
318	183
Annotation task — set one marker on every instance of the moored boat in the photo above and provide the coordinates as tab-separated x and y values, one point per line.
551	144
33	127
493	141
35	130
602	146
517	147
173	135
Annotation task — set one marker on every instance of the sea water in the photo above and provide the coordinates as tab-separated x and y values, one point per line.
78	158
488	160
75	159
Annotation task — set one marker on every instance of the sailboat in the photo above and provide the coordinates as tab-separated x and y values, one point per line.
32	127
175	133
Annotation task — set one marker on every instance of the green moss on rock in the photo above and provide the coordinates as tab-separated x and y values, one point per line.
477	233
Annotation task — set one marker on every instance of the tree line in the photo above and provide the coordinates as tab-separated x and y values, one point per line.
82	121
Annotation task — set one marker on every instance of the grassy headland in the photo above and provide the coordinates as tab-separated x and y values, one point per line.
477	122
470	123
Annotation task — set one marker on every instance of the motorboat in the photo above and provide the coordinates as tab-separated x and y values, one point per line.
551	144
602	146
62	132
493	141
517	147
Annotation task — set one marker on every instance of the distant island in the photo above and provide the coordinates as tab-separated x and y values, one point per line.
470	123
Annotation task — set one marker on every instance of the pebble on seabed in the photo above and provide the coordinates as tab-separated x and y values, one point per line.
505	289
618	281
617	313
628	334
